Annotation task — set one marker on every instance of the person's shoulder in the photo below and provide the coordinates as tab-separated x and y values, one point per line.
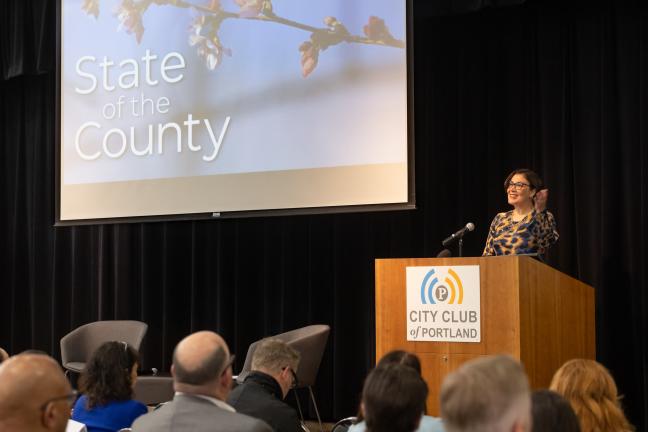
237	392
245	423
499	216
135	407
358	427
431	424
81	403
154	420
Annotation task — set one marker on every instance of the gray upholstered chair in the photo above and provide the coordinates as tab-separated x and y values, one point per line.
153	390
78	345
310	342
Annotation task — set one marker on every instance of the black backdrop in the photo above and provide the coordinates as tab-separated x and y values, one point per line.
561	89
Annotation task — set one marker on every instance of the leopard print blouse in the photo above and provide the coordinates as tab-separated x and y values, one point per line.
533	234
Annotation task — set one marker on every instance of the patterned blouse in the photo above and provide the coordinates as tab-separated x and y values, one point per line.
533	234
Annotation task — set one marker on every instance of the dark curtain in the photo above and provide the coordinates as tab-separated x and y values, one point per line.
557	86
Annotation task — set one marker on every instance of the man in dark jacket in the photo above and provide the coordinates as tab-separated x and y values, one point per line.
261	395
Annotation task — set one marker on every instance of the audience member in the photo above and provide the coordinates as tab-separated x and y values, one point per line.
3	355
34	395
552	413
107	385
428	423
488	394
274	366
202	378
393	399
592	393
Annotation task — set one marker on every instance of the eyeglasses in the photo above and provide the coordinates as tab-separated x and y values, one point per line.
516	185
294	375
70	398
229	363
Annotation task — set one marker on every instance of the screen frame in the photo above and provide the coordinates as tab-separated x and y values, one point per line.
411	189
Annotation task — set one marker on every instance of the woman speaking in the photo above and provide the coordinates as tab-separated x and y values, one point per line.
527	229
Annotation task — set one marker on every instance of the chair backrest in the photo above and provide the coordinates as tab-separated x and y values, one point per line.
153	390
309	341
79	344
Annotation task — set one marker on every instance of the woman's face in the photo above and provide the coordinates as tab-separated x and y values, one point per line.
519	192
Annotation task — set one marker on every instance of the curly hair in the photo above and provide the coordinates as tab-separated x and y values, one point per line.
107	376
592	393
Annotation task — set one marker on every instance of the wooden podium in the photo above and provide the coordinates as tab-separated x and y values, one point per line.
528	310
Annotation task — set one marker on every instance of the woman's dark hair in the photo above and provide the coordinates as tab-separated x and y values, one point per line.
552	413
396	357
401	357
394	398
107	376
534	179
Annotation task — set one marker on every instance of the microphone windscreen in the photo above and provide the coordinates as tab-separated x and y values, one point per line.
470	226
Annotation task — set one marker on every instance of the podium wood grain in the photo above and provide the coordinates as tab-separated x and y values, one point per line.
528	310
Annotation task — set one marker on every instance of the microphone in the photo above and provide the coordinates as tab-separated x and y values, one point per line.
459	234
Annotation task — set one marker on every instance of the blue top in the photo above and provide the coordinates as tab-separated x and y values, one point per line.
428	424
111	417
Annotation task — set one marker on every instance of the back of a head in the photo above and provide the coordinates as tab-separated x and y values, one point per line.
590	389
393	399
199	359
108	374
488	394
552	413
33	395
273	355
401	357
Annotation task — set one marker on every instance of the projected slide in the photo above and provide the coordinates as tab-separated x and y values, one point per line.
178	107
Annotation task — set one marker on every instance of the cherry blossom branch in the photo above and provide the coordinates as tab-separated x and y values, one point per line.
205	28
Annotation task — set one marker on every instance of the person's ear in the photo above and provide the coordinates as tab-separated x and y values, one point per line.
53	416
226	379
173	370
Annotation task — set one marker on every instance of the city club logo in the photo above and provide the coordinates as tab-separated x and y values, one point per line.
449	290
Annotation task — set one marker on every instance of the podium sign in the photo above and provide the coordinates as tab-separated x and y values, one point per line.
443	304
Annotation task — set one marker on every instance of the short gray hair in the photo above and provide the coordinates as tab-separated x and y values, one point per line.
488	394
274	355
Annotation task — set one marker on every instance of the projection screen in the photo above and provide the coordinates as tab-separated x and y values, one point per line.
172	107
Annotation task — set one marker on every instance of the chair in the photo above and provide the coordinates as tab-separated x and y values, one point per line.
153	390
344	424
78	345
310	342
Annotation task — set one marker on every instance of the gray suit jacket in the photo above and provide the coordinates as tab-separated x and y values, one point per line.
187	413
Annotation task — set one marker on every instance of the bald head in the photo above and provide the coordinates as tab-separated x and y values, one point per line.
487	394
199	363
3	355
29	382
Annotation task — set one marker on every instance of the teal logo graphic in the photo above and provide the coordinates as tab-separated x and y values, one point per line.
449	290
